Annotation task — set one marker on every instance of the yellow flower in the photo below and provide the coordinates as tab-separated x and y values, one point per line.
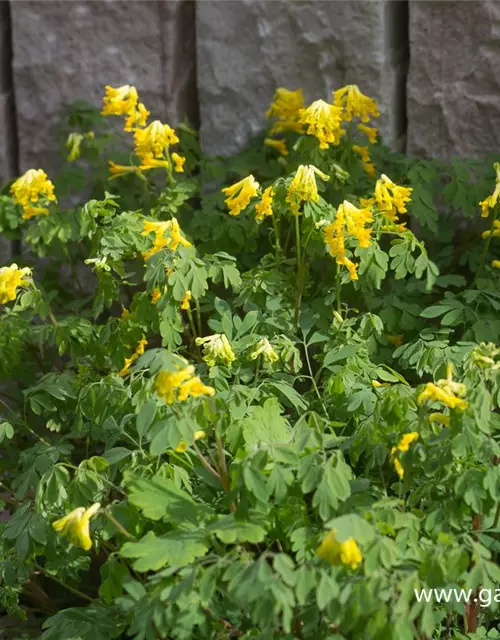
354	103
355	221
73	144
155	295
303	187
286	107
125	313
183	381
495	264
279	145
11	278
446	391
403	446
178	162
182	446
167	234
264	207
153	163
490	202
185	301
265	349
216	350
364	154
240	194
168	382
335	552
377	385
324	122
494	232
75	525
117	170
440	419
370	132
31	188
124	101
129	361
397	341
390	198
154	139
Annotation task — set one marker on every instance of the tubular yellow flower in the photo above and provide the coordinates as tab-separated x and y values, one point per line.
75	526
155	295
286	107
403	446
303	187
137	118
355	221
153	163
446	391
124	101
168	382
240	194
390	198
129	361
440	419
324	122
182	446
194	388
354	103
11	278
495	264
73	144
378	385
33	188
167	234
154	139
279	145
494	232
117	170
179	162
364	154
185	301
370	132
216	350
490	202
265	349
335	552
264	207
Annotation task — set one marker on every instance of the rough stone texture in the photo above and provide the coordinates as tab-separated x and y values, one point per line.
64	51
454	83
247	48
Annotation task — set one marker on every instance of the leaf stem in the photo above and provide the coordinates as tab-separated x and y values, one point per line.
484	255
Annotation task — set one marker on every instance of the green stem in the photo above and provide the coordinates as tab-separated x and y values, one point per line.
198	318
337	286
120	527
277	245
314	382
482	260
76	592
191	323
299	269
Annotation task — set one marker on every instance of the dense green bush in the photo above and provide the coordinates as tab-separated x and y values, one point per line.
262	412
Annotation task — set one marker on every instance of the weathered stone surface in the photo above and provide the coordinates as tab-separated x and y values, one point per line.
7	138
454	84
64	51
247	48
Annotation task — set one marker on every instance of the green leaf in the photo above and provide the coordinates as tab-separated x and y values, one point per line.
145	417
343	353
176	549
266	424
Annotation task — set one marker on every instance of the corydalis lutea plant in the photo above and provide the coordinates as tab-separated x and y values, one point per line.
242	425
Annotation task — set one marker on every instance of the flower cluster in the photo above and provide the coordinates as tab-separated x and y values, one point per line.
167	234
265	349
74	144
446	391
353	220
365	157
355	104
138	352
324	122
286	107
186	300
402	446
216	350
490	202
124	101
335	552
152	142
11	278
180	384
390	198
303	187
33	191
240	194
75	526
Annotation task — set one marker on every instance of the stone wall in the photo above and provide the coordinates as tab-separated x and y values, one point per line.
219	62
